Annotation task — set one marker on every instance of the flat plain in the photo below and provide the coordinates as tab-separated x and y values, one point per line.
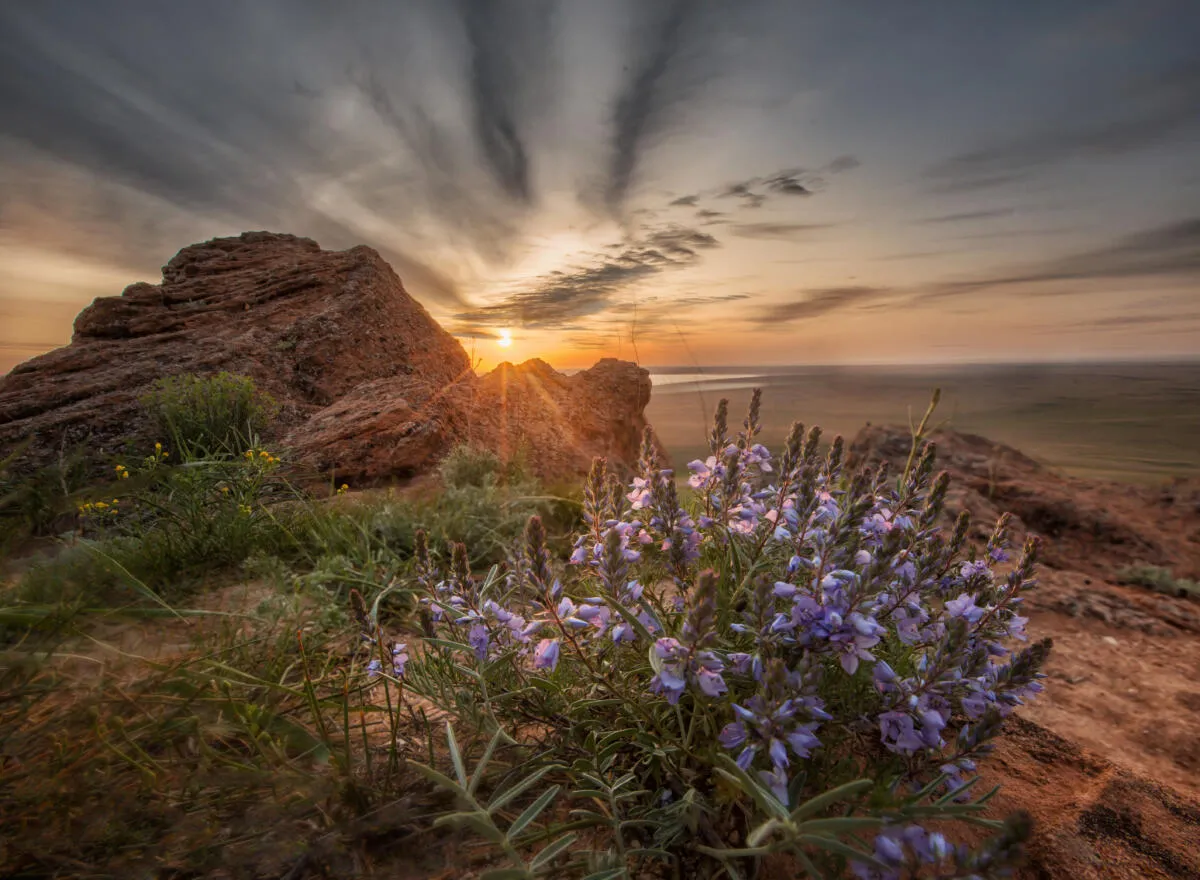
1133	422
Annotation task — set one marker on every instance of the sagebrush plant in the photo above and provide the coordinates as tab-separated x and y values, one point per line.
1159	579
795	660
208	415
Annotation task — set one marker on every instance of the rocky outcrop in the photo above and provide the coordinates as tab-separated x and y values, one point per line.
556	423
1092	819
1092	526
370	385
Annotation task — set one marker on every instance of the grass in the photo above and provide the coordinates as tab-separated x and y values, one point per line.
256	745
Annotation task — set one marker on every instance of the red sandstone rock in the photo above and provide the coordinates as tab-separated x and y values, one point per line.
371	386
1090	526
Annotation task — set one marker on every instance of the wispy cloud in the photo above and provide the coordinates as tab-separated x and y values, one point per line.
1169	250
968	216
505	43
777	230
670	63
815	303
1146	113
788	183
561	298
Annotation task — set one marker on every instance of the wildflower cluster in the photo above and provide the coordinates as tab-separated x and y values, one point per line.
99	510
260	457
839	632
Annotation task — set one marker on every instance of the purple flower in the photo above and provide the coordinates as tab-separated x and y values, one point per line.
703	472
785	590
732	735
974	569
898	733
708	676
545	655
964	606
777	781
399	659
479	639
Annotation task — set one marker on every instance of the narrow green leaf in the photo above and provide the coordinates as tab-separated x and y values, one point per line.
590	793
987	797
833	845
607	874
440	779
549	852
477	776
651	853
480	822
928	790
726	854
624	780
949	796
810	870
827	799
498	802
533	811
838	824
765	799
456	756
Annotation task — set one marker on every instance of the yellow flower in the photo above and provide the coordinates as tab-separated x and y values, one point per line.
158	447
343	489
225	489
100	505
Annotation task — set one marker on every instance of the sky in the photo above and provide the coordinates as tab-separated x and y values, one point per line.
667	181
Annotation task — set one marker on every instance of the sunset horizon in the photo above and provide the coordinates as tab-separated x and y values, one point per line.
668	182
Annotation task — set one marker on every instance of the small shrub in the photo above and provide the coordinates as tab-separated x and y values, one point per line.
180	524
34	501
467	466
799	664
208	415
1161	580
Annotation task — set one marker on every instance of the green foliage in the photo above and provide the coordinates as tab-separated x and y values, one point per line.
208	415
33	501
267	724
1159	579
467	466
177	525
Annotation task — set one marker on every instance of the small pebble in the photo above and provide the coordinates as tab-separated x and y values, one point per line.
1109	640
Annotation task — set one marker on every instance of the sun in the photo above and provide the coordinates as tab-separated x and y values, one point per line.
505	339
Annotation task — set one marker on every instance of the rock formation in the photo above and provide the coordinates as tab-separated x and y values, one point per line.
1091	526
371	386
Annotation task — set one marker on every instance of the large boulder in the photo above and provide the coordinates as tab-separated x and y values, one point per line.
370	385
